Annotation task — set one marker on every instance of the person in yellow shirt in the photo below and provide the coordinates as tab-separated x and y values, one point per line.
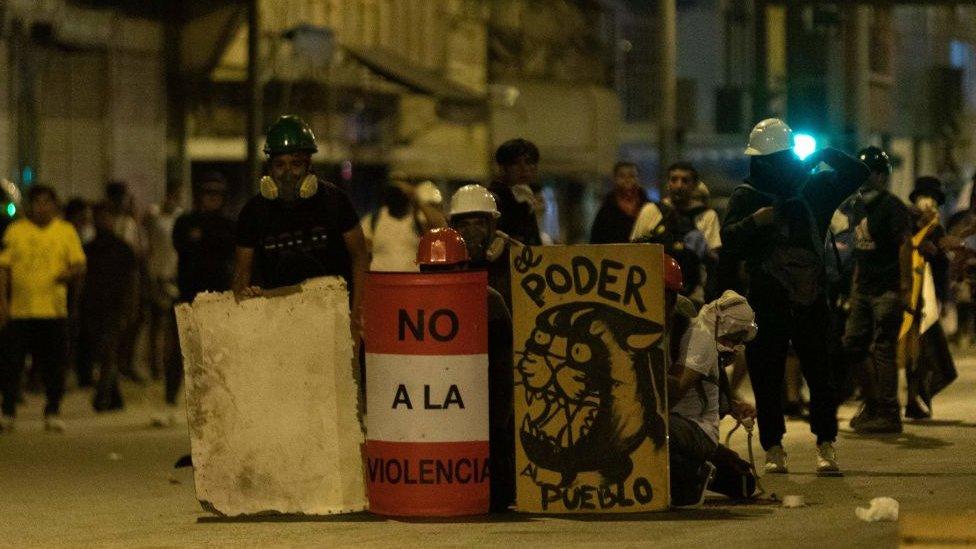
41	256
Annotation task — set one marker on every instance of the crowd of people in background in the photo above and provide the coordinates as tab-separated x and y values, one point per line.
815	271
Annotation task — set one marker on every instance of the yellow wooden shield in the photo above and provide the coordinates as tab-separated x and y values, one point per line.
590	386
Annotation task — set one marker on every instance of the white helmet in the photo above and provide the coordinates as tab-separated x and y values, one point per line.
428	193
772	135
474	198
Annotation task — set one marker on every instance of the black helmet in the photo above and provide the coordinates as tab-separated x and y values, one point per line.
875	159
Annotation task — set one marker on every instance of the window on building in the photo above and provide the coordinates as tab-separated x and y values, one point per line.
880	37
962	56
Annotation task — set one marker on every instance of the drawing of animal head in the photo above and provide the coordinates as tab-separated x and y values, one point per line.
591	397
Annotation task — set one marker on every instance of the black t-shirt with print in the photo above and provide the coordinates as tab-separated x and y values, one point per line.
299	240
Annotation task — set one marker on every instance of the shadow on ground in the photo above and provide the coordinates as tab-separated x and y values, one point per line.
706	513
904	441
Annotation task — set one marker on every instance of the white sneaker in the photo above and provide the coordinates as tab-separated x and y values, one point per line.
6	424
776	460
53	424
164	418
827	460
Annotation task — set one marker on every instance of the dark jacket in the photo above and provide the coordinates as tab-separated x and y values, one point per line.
517	219
612	225
204	244
822	192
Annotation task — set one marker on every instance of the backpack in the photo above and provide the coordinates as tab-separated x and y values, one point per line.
800	271
673	233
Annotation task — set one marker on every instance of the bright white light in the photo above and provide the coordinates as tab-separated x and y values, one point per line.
804	145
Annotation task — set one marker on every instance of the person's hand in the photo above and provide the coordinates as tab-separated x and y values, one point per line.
742	410
764	216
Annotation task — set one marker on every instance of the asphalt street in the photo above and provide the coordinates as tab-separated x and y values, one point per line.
109	481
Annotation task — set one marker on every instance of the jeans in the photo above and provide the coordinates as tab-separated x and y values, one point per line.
808	329
45	340
873	327
101	333
688	449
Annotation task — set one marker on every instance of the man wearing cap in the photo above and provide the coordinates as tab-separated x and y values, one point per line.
877	297
298	226
777	223
443	250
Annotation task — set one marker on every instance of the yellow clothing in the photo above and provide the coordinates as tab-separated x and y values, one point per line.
36	257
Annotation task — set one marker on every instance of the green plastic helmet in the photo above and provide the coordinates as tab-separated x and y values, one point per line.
289	134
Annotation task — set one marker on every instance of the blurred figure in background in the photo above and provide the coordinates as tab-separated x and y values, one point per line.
109	300
664	223
161	269
393	231
41	257
518	171
614	222
204	242
929	367
877	299
78	212
962	225
122	206
687	194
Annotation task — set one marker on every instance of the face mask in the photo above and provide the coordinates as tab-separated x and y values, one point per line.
86	234
927	204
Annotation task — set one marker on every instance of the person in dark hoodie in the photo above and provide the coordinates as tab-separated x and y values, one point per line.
614	223
777	223
877	299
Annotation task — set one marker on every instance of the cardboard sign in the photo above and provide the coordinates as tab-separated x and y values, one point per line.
590	386
427	393
272	402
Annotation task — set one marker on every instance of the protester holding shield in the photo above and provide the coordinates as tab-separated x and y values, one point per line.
298	226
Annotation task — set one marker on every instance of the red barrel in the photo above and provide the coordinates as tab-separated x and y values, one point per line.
427	393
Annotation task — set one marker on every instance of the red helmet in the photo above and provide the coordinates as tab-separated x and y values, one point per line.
442	246
672	274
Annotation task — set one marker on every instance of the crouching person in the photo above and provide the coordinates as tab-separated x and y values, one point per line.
443	250
698	346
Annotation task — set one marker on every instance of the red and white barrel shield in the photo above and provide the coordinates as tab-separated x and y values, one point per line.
427	393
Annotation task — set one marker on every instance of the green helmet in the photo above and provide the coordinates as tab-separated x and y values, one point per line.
289	134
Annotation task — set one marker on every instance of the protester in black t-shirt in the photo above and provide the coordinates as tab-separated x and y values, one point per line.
299	226
877	298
